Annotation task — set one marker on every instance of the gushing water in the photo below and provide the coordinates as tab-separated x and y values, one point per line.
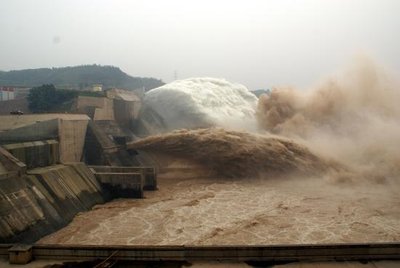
354	118
323	168
199	102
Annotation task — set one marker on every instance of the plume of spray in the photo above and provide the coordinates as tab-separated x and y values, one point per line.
199	102
236	153
354	118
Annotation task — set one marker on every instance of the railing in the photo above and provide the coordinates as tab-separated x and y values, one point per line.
273	253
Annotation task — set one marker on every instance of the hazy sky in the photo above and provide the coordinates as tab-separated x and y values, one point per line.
257	43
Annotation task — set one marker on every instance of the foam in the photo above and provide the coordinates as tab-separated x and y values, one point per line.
201	102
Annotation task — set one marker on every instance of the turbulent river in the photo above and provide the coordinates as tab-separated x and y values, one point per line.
204	211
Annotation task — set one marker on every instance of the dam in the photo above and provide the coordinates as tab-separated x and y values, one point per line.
83	186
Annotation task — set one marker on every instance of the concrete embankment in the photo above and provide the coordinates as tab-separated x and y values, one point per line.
40	192
44	200
259	256
148	174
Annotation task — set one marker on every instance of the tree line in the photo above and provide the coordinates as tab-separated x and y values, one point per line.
46	98
78	77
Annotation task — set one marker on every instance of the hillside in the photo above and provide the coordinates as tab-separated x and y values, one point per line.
77	77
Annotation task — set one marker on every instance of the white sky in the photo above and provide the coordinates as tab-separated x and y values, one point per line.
257	43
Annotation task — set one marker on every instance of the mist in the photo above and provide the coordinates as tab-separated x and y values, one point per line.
353	117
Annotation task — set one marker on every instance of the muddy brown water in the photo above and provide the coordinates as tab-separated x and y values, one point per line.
213	211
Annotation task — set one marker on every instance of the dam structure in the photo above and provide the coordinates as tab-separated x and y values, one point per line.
44	181
89	187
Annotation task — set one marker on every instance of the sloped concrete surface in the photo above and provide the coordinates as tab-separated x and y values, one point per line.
45	200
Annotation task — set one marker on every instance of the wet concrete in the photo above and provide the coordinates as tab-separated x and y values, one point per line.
45	200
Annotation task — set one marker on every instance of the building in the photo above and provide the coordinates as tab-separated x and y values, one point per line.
7	93
97	87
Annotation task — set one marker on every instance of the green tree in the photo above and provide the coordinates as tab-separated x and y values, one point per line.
47	97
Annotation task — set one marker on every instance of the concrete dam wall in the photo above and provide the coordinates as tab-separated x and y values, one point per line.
44	200
35	153
42	183
67	129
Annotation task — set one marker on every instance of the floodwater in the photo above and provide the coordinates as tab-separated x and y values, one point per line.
213	211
